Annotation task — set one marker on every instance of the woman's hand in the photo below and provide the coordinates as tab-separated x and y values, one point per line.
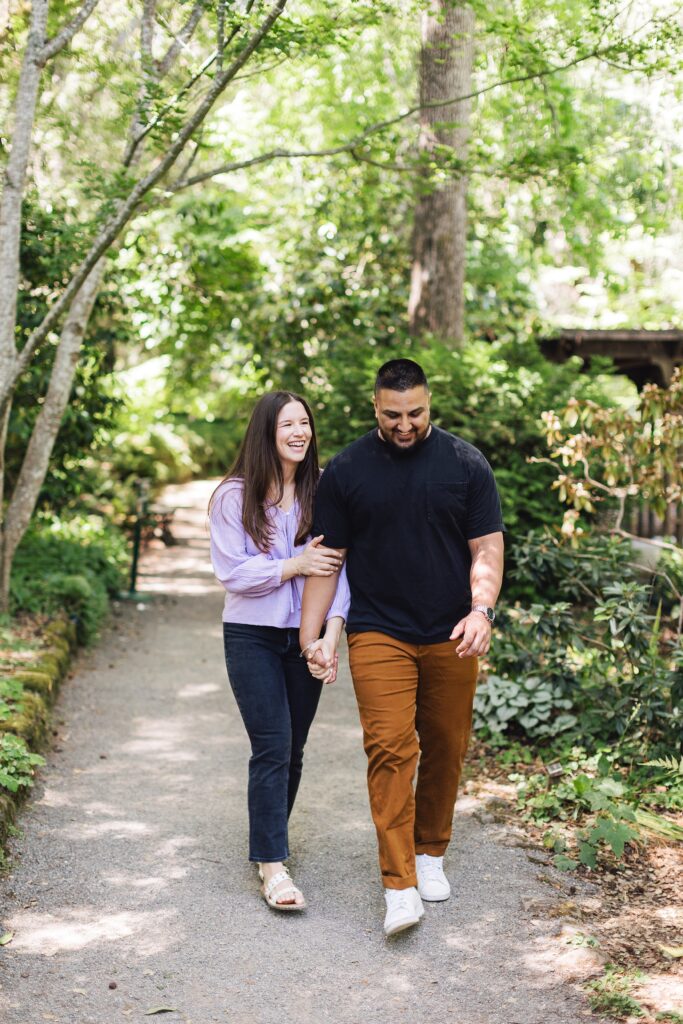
316	560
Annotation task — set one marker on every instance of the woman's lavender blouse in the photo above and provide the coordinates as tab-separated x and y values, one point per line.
255	593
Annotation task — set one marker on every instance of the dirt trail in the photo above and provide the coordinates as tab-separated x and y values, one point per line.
131	889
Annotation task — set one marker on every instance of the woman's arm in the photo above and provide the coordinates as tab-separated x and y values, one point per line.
239	571
256	575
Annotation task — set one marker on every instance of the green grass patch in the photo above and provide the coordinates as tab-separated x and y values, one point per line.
611	994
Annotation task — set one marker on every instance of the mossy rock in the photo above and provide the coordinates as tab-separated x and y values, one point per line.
64	629
57	643
8	811
61	655
39	682
29	722
49	664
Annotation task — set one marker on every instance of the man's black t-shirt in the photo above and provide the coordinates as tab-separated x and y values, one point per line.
406	518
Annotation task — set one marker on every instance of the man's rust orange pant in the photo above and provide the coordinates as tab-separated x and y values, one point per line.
414	700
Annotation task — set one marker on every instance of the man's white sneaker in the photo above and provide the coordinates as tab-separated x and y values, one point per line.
432	884
404	909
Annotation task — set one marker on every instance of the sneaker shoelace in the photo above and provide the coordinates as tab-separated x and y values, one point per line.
399	899
432	870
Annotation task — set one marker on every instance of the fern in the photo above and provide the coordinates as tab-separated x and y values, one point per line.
671	765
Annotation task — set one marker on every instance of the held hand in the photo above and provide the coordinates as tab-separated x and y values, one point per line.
475	630
322	661
316	560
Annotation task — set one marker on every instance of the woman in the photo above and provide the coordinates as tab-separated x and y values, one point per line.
261	516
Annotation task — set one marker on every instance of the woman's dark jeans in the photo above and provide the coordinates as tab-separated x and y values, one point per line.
278	698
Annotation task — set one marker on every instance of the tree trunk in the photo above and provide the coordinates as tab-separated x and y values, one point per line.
437	300
79	296
37	457
13	187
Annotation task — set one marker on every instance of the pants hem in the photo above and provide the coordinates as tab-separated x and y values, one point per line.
431	849
400	883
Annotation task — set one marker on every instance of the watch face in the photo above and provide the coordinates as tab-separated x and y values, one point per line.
488	612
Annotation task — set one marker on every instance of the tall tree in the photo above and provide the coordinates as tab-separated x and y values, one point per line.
436	301
131	183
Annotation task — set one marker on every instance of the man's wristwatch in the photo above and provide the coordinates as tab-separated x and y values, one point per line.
488	612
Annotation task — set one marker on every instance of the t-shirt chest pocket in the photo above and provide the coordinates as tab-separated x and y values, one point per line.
447	501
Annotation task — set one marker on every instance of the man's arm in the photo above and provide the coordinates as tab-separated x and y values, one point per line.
318	595
486	577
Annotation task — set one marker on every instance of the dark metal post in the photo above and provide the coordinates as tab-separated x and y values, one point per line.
142	494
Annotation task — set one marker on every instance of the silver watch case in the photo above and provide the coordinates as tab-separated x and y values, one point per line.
485	610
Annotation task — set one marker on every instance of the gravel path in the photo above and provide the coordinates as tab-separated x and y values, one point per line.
131	890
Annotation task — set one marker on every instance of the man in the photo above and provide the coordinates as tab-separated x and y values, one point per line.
417	514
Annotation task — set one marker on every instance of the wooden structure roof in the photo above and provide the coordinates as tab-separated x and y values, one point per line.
646	357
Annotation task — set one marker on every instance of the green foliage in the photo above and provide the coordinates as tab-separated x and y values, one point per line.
589	789
614	454
17	763
157	451
529	702
51	241
671	765
11	693
611	993
296	273
73	565
596	800
597	640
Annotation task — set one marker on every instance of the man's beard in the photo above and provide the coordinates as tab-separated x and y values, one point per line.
404	448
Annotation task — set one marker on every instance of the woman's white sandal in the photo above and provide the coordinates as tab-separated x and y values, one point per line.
289	892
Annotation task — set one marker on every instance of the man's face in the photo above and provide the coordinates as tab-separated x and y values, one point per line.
403	416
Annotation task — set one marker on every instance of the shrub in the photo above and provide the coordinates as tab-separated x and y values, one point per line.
17	763
530	704
599	640
70	565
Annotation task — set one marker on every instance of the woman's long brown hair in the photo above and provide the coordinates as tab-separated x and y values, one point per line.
258	466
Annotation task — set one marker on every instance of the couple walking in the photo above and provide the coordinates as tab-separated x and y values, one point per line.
401	538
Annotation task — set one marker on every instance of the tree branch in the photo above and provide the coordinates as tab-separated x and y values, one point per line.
127	207
14	179
212	59
182	39
147	77
380	126
263	70
220	32
58	42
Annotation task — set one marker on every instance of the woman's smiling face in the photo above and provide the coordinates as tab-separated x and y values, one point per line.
292	434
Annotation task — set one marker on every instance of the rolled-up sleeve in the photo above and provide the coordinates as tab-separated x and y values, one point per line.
239	571
342	597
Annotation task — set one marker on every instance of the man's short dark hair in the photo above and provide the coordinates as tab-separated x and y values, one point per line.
400	375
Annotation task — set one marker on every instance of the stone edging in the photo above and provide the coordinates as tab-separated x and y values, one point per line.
41	679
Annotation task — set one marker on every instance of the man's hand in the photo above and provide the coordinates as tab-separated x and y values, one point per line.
322	660
475	630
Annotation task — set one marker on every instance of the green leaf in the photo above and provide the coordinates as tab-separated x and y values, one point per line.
614	833
588	855
563	863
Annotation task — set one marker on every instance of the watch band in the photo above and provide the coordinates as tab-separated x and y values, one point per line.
485	610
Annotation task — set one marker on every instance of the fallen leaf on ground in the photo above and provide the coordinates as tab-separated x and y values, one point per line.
673	951
563	909
160	1009
7	937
